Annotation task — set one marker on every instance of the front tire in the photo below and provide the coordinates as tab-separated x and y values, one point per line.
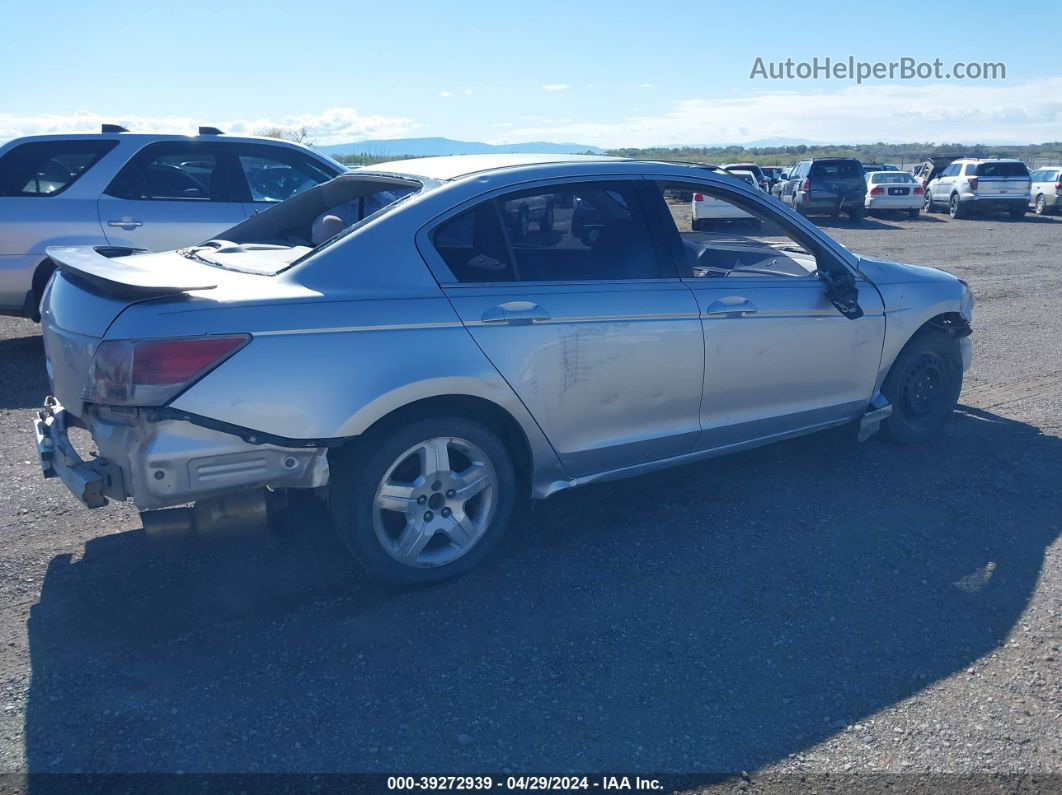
955	209
923	386
425	503
1041	205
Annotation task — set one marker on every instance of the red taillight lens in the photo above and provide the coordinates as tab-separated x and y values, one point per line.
805	186
973	183
918	191
698	197
177	361
153	372
1058	185
877	191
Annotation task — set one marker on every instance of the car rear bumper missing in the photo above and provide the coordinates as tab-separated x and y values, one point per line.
90	481
167	462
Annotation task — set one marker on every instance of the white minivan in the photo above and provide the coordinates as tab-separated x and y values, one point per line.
1046	194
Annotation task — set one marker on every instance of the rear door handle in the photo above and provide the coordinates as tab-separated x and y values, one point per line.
515	313
126	223
731	307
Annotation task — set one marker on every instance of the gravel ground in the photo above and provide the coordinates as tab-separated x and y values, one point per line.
819	606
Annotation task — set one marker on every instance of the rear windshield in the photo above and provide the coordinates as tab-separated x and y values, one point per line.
1002	170
47	168
837	168
891	178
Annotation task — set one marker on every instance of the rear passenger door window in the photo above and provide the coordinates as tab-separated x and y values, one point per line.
592	231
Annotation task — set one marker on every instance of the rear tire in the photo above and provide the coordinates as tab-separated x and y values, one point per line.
405	518
913	214
1041	205
923	386
1018	212
955	208
856	215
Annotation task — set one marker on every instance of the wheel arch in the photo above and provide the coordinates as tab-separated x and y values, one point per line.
469	407
41	274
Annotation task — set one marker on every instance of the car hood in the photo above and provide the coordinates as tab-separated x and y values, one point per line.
882	271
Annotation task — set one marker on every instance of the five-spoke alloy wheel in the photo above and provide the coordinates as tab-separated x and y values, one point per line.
426	502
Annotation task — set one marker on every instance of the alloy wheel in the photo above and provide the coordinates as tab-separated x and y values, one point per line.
435	502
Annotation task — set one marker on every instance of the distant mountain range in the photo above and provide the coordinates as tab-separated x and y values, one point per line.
447	146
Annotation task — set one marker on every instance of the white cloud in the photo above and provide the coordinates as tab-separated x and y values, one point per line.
445	94
556	86
944	112
646	85
335	125
467	92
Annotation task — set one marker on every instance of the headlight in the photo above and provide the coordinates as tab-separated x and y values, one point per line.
966	307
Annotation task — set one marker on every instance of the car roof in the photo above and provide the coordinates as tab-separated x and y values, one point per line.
145	137
454	166
988	160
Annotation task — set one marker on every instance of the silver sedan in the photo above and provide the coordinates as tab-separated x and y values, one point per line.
492	328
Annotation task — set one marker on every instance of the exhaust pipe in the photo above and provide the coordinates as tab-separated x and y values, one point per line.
230	516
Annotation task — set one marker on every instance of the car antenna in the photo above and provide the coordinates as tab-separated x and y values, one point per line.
112	128
210	131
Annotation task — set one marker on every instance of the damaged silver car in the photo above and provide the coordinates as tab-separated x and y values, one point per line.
425	343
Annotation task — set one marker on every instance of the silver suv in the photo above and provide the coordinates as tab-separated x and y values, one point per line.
149	192
970	184
426	368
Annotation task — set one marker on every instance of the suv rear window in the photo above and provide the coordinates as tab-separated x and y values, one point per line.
837	168
47	168
1002	170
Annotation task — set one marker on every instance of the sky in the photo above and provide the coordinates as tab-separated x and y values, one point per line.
605	74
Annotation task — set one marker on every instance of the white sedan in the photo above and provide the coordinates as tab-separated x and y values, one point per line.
894	190
707	208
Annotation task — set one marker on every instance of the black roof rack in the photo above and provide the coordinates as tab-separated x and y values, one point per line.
210	131
112	128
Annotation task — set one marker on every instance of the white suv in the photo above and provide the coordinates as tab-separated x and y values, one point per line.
986	184
132	190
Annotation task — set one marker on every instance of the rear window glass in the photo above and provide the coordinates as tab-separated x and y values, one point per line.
1002	170
837	168
893	177
47	168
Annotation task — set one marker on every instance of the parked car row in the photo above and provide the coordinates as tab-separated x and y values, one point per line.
424	344
960	185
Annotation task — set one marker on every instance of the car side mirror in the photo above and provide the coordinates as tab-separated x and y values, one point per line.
784	175
842	291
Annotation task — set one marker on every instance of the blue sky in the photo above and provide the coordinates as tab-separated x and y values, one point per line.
608	74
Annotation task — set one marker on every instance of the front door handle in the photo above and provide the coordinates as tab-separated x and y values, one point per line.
126	223
733	306
515	313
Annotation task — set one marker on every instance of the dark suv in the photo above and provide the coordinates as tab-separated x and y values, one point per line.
825	186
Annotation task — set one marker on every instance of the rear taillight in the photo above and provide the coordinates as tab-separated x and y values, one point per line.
153	372
973	183
1058	185
805	186
877	191
918	191
698	197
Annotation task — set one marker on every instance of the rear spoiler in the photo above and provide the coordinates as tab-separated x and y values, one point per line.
95	264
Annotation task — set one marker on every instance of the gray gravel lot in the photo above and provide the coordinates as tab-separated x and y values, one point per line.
819	605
